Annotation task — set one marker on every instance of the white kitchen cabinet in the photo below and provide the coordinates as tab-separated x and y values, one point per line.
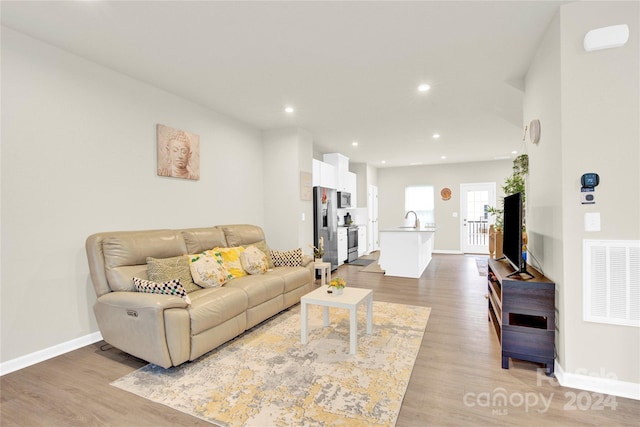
342	245
362	240
324	175
345	180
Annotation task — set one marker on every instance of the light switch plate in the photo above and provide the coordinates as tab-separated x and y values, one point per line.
592	221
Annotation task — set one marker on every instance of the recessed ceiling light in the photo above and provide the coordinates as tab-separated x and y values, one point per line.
354	143
383	162
443	157
514	152
436	135
423	87
289	110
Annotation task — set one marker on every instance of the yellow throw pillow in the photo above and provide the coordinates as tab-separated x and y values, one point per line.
230	258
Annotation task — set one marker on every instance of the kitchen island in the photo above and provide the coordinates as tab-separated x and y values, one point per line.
406	252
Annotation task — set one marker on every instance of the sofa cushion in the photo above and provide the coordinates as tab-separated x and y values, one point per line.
230	258
292	258
259	289
293	277
162	270
214	306
242	234
198	240
207	271
254	261
171	287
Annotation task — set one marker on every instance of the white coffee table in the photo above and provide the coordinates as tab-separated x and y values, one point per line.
350	299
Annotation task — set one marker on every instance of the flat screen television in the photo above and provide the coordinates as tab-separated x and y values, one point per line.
513	218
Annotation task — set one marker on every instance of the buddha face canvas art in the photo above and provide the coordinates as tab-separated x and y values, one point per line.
178	153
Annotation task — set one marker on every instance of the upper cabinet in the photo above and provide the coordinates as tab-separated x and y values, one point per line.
324	175
346	181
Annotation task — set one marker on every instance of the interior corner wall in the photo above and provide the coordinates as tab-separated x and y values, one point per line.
544	182
392	183
288	218
600	107
79	157
588	106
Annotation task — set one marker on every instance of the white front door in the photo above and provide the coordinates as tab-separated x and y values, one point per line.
474	219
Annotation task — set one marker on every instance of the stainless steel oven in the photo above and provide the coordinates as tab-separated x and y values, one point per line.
352	243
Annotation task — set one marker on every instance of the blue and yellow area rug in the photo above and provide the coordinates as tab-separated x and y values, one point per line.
266	377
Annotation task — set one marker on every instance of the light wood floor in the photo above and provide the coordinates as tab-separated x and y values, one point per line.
455	381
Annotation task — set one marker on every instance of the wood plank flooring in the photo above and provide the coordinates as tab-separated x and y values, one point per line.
457	379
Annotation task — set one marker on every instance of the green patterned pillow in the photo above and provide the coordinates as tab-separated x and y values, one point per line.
171	287
165	269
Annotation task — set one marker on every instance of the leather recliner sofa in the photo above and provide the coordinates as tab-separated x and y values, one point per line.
165	329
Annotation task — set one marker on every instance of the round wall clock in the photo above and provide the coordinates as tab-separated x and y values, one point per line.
445	193
534	131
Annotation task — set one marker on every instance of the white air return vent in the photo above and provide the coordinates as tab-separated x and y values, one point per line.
611	274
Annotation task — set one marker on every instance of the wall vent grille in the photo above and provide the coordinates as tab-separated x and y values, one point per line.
611	275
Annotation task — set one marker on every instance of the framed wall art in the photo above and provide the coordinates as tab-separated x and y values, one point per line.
178	153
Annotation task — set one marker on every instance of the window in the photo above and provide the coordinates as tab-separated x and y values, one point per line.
420	200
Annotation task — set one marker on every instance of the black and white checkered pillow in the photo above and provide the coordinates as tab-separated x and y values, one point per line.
172	287
291	258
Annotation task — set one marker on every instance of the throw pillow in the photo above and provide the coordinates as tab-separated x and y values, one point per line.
291	258
254	261
207	271
230	258
165	269
172	287
262	245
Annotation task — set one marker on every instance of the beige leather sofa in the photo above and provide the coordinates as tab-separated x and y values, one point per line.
164	329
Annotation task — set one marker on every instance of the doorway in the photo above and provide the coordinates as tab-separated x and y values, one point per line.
475	221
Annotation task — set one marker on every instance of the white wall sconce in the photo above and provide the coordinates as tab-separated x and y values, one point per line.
606	37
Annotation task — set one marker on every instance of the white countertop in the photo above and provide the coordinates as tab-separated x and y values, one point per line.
409	229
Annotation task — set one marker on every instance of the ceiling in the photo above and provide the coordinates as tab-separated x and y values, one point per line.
350	69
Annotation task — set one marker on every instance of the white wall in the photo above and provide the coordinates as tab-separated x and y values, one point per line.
392	182
287	153
79	157
589	108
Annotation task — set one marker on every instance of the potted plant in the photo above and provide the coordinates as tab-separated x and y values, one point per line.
512	184
319	251
337	285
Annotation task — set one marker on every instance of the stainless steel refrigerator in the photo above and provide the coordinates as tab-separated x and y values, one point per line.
325	222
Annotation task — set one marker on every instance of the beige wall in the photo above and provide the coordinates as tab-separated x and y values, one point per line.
392	182
79	157
588	104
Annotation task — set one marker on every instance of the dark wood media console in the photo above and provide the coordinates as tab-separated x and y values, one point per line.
523	314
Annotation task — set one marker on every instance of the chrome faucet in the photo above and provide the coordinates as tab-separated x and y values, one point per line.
417	223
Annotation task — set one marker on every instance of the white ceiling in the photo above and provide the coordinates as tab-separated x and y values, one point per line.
350	69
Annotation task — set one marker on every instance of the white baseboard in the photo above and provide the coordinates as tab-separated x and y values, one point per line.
448	252
48	353
597	384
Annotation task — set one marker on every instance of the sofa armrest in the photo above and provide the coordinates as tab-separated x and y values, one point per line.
134	322
141	300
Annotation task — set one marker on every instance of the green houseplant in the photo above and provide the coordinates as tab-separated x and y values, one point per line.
515	183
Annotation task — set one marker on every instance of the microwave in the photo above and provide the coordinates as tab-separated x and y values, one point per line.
344	199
